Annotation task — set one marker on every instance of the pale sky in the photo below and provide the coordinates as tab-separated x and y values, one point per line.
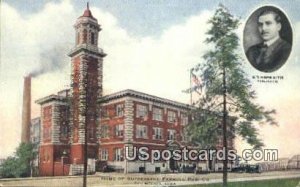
151	46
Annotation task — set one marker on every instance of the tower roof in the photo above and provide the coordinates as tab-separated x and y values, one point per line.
87	12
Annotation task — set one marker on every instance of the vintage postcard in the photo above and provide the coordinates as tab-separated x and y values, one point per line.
150	93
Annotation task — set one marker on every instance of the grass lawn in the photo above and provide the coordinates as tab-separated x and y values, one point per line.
263	183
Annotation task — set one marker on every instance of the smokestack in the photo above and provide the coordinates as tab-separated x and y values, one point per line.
26	110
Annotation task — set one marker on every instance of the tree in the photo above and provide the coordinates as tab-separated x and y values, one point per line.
19	165
225	91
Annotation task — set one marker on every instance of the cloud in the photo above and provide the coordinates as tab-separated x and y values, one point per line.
27	44
134	62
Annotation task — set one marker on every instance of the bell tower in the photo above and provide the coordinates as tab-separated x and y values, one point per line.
86	86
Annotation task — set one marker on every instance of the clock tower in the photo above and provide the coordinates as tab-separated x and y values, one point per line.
86	86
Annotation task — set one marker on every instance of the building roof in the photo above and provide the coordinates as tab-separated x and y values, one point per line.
116	95
87	12
140	95
50	98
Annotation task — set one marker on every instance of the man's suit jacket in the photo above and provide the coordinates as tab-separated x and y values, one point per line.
271	58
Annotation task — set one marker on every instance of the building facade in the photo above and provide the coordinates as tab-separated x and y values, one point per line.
116	124
131	120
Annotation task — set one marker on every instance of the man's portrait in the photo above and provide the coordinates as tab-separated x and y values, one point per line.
267	39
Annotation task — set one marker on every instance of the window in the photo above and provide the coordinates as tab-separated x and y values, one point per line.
92	38
184	119
141	111
104	154
157	133
35	132
84	36
157	114
118	154
104	131
91	132
120	110
171	116
64	131
171	134
104	112
141	131
185	137
119	130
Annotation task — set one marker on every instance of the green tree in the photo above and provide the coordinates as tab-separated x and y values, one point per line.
225	91
20	164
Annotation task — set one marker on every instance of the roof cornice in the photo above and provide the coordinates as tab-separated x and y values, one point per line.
140	95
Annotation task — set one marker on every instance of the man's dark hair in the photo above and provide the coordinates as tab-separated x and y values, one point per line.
271	11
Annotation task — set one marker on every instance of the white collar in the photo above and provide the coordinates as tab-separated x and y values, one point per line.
270	42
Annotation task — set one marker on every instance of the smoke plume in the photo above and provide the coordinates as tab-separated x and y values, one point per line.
51	60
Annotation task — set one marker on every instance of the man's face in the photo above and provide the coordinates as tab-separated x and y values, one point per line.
268	26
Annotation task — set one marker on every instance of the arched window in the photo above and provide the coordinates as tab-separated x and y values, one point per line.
84	36
92	38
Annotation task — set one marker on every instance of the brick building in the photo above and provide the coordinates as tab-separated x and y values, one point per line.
133	119
124	119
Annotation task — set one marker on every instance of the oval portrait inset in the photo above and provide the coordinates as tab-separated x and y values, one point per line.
267	39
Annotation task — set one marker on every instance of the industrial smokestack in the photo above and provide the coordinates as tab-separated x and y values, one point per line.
26	110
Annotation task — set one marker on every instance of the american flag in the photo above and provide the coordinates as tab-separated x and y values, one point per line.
195	83
195	79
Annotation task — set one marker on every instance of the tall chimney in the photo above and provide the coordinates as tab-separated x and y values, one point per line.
26	111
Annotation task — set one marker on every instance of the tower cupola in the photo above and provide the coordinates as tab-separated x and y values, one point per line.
87	34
